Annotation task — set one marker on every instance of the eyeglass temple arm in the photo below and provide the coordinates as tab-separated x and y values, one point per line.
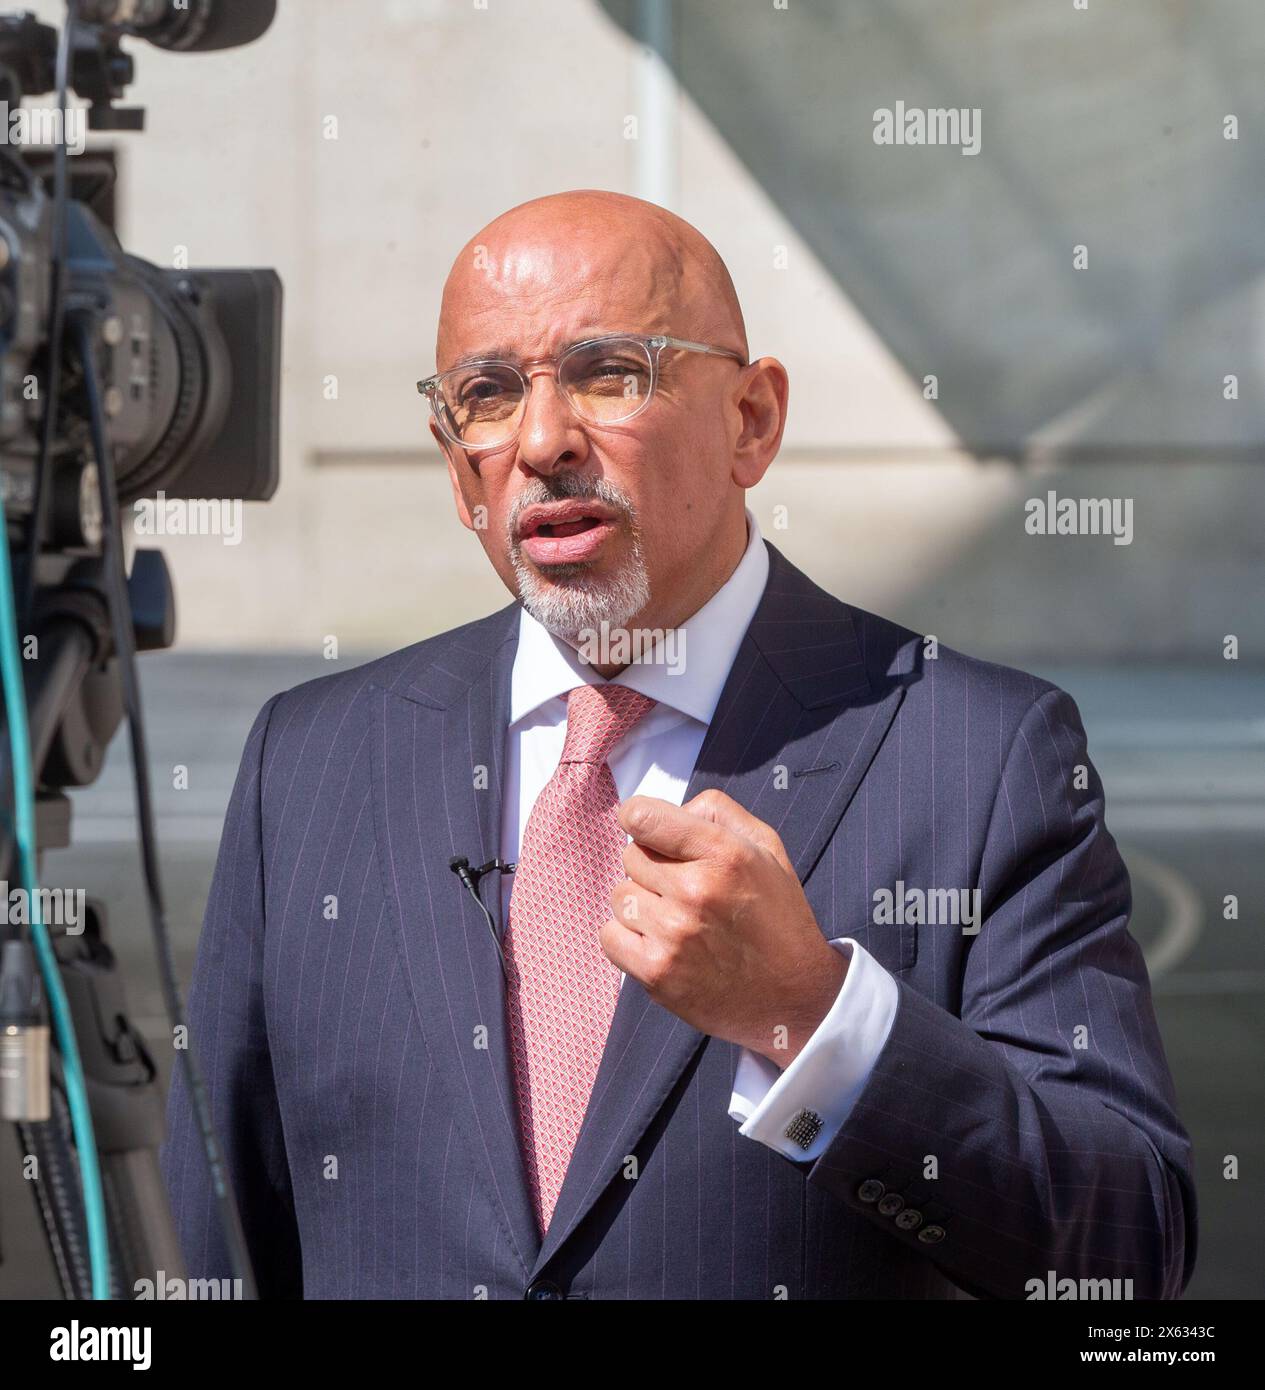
705	347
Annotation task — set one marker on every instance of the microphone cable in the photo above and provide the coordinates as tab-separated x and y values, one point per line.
470	878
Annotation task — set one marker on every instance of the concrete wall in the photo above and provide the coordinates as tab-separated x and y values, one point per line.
445	113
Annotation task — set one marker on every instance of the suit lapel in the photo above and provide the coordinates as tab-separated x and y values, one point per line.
798	723
438	754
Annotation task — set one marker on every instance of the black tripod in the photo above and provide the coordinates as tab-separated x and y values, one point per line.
74	708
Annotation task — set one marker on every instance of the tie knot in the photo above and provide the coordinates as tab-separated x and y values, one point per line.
598	716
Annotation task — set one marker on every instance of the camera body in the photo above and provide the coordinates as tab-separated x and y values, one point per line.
188	360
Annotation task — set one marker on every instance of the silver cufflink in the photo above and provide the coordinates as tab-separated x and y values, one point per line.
803	1129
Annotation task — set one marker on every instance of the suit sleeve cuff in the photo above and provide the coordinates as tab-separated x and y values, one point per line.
829	1073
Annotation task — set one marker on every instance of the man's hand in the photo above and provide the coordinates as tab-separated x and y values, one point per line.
714	924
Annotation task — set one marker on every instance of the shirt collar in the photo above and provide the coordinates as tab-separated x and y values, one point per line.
546	667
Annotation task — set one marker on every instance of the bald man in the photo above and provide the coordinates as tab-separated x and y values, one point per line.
678	931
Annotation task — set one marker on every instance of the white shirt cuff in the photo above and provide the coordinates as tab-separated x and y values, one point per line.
830	1072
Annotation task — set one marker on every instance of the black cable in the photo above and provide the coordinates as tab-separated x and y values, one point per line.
470	879
125	645
57	1195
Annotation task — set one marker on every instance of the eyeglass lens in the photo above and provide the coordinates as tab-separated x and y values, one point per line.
604	382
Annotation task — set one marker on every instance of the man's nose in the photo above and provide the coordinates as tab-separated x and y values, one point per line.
550	437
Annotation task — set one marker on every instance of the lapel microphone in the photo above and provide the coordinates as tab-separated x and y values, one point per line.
470	877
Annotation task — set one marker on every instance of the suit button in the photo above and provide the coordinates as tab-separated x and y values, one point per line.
891	1204
909	1219
931	1235
543	1289
871	1190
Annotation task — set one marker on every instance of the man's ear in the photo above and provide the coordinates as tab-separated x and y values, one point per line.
445	448
761	403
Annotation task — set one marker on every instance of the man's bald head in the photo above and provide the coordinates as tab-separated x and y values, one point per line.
583	261
594	524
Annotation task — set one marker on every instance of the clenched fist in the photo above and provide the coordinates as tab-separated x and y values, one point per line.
712	921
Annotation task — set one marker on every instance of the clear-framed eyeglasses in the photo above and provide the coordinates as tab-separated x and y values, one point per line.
606	381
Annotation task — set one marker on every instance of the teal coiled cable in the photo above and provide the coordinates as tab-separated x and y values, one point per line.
24	826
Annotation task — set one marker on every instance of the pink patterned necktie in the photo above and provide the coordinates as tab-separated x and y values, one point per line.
562	990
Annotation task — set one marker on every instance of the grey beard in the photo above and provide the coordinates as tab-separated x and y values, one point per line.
574	601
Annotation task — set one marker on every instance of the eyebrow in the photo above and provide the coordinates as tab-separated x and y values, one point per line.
496	354
501	353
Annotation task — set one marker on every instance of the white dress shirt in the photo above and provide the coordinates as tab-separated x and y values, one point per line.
656	758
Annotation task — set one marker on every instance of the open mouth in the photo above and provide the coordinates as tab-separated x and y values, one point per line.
565	533
567	528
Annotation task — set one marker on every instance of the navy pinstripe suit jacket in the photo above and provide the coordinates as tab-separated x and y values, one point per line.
347	1001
